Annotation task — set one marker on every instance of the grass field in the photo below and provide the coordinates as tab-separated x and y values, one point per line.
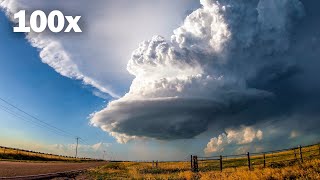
279	165
129	170
285	164
272	159
17	154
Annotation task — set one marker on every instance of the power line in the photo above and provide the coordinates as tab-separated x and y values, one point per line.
19	116
25	116
35	118
86	143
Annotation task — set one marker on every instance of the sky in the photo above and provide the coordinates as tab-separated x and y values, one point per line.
162	80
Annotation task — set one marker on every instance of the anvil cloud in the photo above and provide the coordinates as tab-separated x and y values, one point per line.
230	63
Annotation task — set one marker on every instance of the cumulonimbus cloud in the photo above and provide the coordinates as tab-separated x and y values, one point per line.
226	58
244	135
230	63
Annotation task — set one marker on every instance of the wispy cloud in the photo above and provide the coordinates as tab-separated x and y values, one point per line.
84	150
99	55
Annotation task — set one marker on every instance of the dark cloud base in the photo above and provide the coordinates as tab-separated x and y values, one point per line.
286	81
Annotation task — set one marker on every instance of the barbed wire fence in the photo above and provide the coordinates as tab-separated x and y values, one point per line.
278	158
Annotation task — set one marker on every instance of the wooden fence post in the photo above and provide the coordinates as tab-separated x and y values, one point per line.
295	154
157	164
4	150
319	148
264	160
300	148
191	163
195	164
249	163
221	163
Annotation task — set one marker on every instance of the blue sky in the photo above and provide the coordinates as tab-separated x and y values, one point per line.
39	90
163	79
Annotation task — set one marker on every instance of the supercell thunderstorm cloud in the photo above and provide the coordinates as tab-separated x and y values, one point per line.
232	63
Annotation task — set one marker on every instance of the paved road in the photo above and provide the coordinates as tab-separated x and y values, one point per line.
12	169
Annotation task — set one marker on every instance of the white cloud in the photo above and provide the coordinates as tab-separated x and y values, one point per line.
111	30
217	144
183	85
84	150
122	138
244	135
219	67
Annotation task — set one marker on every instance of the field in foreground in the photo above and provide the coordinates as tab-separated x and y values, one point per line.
129	170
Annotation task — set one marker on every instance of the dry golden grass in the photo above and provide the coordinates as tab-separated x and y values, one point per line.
307	170
276	159
180	170
15	154
278	167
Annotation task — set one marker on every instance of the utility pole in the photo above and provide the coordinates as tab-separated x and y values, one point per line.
103	155
77	138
